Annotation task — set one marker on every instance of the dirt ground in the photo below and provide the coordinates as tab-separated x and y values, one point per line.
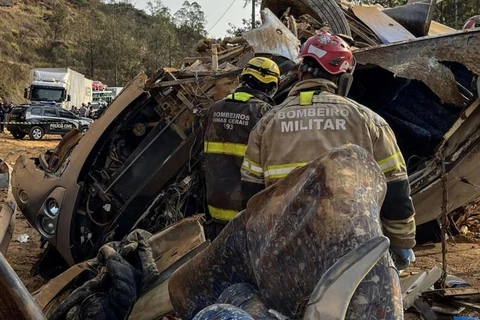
22	256
463	253
462	259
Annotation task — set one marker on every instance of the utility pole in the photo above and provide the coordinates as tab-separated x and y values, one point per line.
253	14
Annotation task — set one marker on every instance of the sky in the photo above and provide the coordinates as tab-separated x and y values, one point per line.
213	11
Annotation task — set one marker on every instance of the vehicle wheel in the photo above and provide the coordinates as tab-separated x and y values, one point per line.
83	130
36	133
326	11
18	135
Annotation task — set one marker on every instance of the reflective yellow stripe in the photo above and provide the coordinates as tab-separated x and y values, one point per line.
394	167
391	163
282	170
222	214
240	96
252	167
228	148
306	98
394	156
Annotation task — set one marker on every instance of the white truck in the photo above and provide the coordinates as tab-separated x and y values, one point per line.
63	87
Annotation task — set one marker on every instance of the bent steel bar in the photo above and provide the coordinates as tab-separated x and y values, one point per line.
7	210
15	301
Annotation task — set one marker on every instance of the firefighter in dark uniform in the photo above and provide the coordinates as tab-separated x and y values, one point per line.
228	125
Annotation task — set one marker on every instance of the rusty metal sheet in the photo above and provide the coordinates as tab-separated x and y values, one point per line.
273	37
54	287
419	59
173	243
387	29
456	292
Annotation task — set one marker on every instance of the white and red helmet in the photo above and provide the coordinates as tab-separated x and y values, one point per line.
329	51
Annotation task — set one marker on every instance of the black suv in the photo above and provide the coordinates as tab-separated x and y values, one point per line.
38	120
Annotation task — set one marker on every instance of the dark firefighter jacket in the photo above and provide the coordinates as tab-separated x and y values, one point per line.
312	121
228	125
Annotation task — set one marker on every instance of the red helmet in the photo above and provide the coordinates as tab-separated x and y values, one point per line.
330	51
471	23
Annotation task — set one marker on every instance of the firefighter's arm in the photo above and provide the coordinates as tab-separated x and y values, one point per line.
397	211
252	171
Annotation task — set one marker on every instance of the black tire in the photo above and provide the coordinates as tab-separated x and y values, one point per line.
326	11
84	129
36	133
18	135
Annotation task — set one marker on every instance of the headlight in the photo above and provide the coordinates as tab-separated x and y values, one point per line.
52	207
47	225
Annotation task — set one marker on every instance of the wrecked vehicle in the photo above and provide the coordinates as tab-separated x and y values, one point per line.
176	271
139	165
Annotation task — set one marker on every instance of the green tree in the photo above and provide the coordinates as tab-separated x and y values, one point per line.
58	22
190	21
161	38
237	31
454	13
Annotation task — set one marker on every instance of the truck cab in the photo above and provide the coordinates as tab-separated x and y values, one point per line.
62	86
47	91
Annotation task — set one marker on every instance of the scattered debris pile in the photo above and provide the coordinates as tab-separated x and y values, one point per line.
466	221
156	124
423	295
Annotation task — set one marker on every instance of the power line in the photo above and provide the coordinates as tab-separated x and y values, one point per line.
231	4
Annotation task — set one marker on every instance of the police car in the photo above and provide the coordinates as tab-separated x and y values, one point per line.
38	120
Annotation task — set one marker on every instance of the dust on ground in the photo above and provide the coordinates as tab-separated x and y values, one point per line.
462	259
22	256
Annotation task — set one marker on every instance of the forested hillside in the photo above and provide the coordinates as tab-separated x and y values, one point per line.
114	41
110	42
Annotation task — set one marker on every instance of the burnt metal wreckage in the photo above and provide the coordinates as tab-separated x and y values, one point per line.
140	165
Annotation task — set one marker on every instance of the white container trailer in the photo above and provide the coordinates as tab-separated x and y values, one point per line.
63	87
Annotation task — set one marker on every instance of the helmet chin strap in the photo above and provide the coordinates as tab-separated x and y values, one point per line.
344	81
344	84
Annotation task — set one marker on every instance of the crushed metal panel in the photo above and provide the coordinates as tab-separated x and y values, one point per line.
427	201
171	244
387	29
415	17
437	28
50	295
414	286
420	59
273	37
466	125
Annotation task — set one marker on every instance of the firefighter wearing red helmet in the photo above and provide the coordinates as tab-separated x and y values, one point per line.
228	125
316	117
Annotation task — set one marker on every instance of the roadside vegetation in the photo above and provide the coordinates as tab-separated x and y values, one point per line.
112	41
